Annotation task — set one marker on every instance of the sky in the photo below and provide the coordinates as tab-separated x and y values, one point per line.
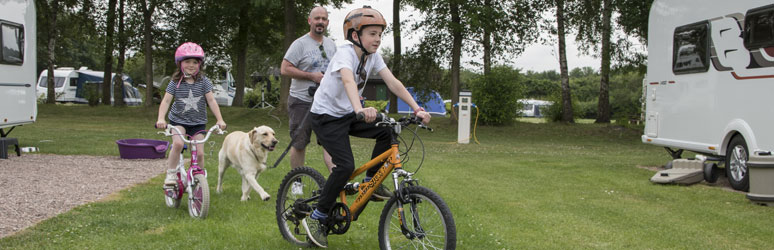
536	57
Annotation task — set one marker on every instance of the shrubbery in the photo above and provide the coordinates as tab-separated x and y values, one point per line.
497	95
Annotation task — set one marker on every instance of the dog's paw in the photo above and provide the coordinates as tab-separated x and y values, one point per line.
267	198
245	198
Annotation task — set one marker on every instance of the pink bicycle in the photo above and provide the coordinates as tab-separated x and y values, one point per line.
192	180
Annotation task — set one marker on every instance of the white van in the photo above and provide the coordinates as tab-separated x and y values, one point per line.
18	103
710	82
69	85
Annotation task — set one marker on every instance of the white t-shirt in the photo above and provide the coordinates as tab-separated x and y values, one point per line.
330	98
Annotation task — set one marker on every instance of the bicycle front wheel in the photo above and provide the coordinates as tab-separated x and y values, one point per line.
428	222
199	200
299	184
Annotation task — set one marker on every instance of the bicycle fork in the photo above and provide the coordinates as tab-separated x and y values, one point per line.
404	198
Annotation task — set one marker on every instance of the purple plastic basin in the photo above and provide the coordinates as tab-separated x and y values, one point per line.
142	148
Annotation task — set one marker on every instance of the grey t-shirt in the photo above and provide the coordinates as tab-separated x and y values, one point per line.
305	54
189	106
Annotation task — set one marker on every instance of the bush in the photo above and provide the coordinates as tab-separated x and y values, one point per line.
378	105
497	95
91	93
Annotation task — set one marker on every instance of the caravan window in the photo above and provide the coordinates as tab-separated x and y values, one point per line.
58	82
690	53
759	28
12	39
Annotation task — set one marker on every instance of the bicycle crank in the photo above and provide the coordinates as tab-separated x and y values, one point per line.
339	218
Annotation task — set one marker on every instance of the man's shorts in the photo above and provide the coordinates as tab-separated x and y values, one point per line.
297	111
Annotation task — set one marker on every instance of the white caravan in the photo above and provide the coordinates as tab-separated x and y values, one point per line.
533	108
710	83
18	103
69	85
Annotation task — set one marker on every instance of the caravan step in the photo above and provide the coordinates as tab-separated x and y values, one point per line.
684	171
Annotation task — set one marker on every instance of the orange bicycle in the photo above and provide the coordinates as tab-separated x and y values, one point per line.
415	217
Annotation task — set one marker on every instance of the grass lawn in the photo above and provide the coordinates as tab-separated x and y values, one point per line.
526	186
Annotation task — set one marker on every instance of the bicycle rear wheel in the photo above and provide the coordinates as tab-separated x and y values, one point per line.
299	184
199	200
428	221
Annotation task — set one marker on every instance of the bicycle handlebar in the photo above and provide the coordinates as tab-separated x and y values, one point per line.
382	118
168	132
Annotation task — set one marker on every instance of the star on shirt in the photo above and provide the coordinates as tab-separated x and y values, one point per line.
191	102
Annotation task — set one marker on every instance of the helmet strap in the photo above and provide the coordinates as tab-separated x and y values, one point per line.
359	44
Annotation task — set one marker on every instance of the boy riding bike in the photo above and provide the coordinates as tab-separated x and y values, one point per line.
336	103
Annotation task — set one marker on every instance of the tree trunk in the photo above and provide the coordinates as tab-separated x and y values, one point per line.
397	56
108	75
118	90
290	34
603	108
147	13
51	11
456	50
241	51
567	112
487	39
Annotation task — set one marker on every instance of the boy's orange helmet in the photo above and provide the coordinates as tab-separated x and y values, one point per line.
359	18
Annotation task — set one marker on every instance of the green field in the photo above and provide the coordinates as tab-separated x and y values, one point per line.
525	186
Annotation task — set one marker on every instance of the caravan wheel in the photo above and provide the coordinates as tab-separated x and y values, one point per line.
736	164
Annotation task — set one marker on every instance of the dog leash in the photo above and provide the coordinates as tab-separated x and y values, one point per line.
289	144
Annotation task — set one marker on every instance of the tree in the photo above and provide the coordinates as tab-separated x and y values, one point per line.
567	112
396	58
147	9
595	22
564	12
108	71
118	89
50	8
603	113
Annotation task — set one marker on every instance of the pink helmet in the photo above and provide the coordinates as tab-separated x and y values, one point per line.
189	50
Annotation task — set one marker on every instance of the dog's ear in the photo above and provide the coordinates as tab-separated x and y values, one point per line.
252	134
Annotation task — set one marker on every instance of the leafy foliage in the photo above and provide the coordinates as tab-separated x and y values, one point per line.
497	95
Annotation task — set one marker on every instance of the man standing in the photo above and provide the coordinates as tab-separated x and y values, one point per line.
305	61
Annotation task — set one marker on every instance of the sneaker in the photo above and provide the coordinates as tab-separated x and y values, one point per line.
381	194
297	188
171	179
316	231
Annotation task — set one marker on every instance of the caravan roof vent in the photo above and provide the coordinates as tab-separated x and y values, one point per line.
83	68
66	68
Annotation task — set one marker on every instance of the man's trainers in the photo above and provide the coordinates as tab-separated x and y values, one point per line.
316	231
381	194
297	188
171	179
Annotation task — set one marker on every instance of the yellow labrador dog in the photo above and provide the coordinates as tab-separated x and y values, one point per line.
247	152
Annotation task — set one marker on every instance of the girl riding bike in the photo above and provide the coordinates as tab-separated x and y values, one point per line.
188	112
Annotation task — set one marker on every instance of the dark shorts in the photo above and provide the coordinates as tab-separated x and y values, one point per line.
300	131
190	130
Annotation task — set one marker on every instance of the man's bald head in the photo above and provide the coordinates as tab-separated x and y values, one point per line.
318	20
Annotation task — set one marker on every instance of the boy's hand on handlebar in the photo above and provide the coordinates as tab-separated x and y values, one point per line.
424	116
161	124
369	114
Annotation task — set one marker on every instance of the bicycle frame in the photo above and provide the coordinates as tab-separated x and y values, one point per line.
391	160
194	169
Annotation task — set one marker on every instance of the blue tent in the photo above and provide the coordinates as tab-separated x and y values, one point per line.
433	105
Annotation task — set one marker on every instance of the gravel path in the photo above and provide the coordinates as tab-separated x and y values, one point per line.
35	187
